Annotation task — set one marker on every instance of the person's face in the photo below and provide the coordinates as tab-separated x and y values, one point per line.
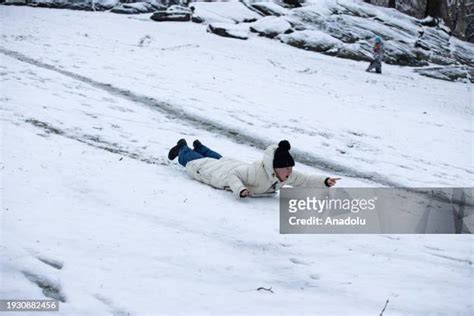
283	173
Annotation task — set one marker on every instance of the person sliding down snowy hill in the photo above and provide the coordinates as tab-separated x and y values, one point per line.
261	177
378	56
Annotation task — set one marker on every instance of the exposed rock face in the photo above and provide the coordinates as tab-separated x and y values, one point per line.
347	29
454	12
450	73
83	5
144	6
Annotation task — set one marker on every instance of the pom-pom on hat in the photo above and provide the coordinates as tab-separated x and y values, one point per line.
282	158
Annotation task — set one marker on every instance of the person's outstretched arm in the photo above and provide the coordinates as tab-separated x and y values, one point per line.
299	179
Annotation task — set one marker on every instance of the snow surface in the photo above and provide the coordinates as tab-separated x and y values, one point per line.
91	206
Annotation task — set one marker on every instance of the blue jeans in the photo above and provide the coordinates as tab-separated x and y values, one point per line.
186	154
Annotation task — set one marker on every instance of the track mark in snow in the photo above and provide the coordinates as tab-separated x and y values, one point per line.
390	237
51	262
307	71
297	261
97	142
49	288
315	276
145	41
113	308
121	109
433	248
276	64
180	46
469	262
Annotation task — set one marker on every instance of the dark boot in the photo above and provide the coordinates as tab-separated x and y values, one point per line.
196	144
174	152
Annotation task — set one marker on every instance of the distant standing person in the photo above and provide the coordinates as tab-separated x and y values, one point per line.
376	62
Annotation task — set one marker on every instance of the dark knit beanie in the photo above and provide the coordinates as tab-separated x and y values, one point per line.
282	157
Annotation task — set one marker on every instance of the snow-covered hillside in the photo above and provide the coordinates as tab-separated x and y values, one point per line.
93	212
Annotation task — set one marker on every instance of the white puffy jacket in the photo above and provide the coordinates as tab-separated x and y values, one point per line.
258	178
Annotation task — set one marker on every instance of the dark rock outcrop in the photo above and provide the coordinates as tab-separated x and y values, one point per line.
352	27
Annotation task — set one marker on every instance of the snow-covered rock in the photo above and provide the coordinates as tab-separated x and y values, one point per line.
450	73
270	8
133	8
223	12
98	5
174	13
407	40
179	9
229	30
15	2
311	40
84	5
270	26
